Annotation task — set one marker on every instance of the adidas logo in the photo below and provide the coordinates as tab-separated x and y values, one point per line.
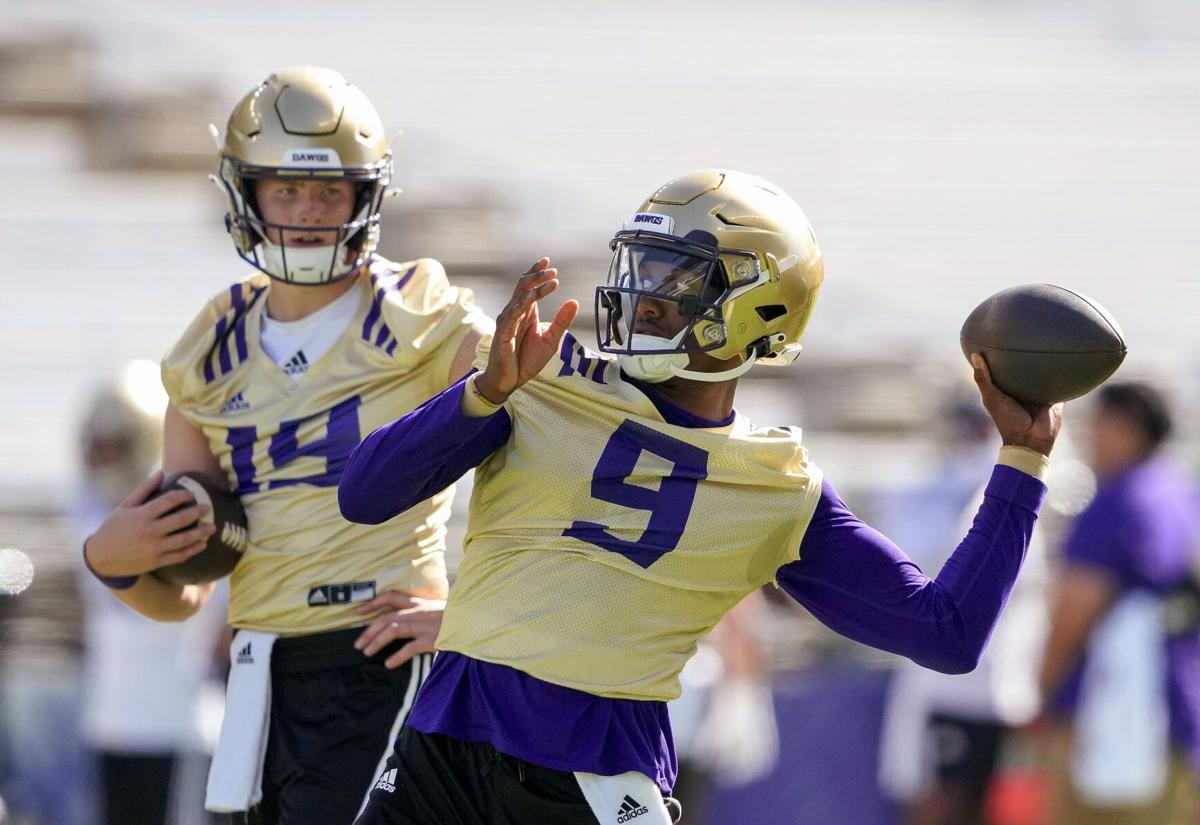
387	782
297	364
333	594
244	656
630	809
236	404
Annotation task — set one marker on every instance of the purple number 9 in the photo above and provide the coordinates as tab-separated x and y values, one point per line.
669	505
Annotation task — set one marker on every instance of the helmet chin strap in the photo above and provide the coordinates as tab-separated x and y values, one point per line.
305	265
714	377
655	369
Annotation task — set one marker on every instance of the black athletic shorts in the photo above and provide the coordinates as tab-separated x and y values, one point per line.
334	716
438	780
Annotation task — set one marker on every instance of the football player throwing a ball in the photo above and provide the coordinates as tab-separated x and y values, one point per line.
582	594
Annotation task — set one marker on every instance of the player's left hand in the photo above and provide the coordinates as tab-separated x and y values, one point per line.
404	617
1035	428
522	345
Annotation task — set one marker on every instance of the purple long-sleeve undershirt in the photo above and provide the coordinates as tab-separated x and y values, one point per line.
852	578
417	456
849	576
861	585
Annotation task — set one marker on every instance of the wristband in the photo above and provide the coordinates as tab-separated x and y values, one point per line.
474	405
111	582
1026	460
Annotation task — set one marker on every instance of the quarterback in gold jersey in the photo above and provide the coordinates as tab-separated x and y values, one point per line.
621	506
271	387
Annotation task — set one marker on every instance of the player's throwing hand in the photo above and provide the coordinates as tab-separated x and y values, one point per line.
521	345
1035	428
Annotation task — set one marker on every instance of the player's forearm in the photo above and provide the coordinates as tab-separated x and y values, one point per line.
417	456
164	602
861	585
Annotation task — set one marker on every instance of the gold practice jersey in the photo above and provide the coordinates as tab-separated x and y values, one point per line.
283	442
604	542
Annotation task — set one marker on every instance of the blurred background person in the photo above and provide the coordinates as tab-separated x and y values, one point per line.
1125	690
942	735
149	704
723	722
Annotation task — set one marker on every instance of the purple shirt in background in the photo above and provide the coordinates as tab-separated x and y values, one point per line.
849	576
1143	529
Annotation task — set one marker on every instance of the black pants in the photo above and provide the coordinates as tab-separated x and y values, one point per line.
135	787
439	780
334	714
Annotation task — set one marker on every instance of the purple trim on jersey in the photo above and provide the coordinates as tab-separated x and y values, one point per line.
372	315
223	346
566	352
673	414
239	320
231	324
418	455
859	584
542	723
1141	529
239	329
376	311
592	368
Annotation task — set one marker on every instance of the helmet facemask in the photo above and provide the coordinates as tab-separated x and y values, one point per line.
687	273
353	241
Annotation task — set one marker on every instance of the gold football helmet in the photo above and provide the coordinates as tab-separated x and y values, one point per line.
735	253
120	436
304	122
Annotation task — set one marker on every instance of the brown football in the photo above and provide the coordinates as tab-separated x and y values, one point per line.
225	546
1044	343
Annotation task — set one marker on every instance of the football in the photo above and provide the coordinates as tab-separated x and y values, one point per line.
225	546
1044	343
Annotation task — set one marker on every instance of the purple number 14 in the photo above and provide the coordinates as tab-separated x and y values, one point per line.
341	437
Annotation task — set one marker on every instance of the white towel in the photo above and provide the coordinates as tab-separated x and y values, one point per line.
628	797
1121	746
235	778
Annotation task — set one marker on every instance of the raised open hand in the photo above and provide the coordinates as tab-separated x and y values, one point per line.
522	345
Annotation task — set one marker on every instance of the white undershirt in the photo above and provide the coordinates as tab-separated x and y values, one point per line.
294	345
